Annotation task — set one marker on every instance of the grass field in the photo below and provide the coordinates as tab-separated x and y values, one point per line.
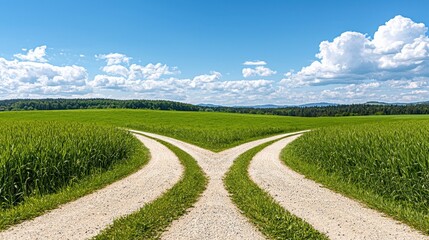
46	163
38	158
214	131
384	164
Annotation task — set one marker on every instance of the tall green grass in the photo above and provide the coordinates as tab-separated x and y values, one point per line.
388	161
210	130
38	158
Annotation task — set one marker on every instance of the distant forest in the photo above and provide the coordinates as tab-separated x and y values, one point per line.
95	103
338	110
335	111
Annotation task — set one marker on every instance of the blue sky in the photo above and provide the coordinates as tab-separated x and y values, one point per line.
194	51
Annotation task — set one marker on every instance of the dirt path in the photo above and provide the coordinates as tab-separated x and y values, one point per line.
331	213
214	216
87	216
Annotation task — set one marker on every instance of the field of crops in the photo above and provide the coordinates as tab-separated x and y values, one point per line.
389	160
44	152
38	158
214	131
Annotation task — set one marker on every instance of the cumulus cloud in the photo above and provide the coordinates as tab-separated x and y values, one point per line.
151	71
153	80
230	92
351	93
398	51
158	80
257	71
254	63
116	70
27	78
133	78
33	55
396	33
244	85
205	78
109	82
114	58
408	84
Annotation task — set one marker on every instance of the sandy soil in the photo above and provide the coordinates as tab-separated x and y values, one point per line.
214	216
87	216
331	213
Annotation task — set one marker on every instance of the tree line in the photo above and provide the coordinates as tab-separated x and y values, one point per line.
335	111
328	111
95	103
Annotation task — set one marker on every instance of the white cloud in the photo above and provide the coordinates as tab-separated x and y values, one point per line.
33	55
408	84
330	94
230	92
150	81
257	71
114	58
420	92
35	79
244	85
133	78
254	63
151	71
351	92
206	78
399	51
116	70
109	82
396	33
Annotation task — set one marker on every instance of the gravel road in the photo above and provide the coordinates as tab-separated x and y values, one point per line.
87	216
331	213
214	216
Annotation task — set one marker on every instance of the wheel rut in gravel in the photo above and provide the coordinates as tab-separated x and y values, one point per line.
328	212
87	216
214	216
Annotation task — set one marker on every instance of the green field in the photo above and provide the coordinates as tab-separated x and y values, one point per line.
214	131
74	129
38	158
47	163
385	164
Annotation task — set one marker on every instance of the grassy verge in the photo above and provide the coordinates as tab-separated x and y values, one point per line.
262	210
37	205
154	217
